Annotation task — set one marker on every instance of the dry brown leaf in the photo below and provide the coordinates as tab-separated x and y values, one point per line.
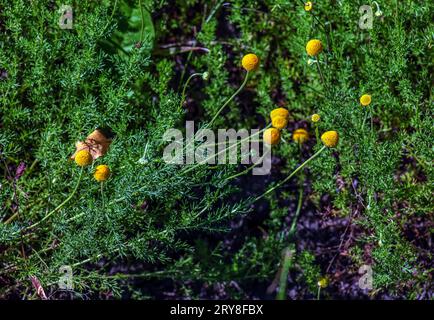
39	289
96	143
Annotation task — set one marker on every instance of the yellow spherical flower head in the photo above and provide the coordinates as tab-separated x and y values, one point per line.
323	282
308	6
365	100
330	139
300	136
271	136
316	117
279	112
279	122
250	62
314	47
83	158
102	173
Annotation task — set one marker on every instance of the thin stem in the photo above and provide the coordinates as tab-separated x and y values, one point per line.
317	133
376	4
320	72
32	166
221	151
111	16
11	218
322	26
249	168
297	212
225	142
75	217
220	110
286	264
229	100
319	22
102	194
86	260
364	119
185	66
220	143
60	205
332	42
318	294
194	43
185	87
291	175
198	164
142	29
214	11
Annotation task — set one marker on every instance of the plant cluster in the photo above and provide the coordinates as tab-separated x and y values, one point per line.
346	112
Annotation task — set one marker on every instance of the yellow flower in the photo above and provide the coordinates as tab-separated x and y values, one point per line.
83	158
316	117
323	282
250	62
308	6
279	112
271	136
314	47
365	100
330	139
102	173
279	122
300	136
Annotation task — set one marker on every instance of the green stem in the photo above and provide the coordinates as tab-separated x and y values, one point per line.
291	175
185	87
286	264
229	100
111	16
320	72
184	69
297	212
221	151
60	205
323	27
86	260
219	111
75	217
376	4
318	294
248	169
142	29
364	119
102	194
11	218
32	166
214	11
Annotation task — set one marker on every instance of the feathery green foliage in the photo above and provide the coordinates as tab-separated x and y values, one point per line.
113	70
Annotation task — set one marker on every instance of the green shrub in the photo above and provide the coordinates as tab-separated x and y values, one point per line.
112	70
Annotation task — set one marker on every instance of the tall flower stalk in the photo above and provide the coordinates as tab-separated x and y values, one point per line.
60	206
229	100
